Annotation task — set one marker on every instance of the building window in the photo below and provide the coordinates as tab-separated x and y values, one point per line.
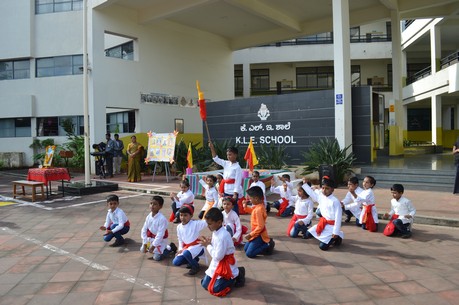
322	77
14	69
260	79
12	128
121	122
54	126
60	65
179	125
54	6
124	51
238	80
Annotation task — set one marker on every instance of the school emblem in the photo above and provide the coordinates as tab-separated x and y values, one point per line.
263	112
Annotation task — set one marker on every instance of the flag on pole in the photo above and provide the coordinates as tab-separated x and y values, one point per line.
201	103
250	156
189	157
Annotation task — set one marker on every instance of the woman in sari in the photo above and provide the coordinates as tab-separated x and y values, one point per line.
135	152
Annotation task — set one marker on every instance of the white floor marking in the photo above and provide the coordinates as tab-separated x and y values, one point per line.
121	275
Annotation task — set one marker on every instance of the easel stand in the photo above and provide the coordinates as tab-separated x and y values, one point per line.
166	169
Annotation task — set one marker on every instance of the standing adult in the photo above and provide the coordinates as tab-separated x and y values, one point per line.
134	152
456	163
109	151
231	185
118	154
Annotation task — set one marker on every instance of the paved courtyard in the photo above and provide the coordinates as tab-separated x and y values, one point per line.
52	253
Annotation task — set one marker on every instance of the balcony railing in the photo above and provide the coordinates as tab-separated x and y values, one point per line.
310	40
449	60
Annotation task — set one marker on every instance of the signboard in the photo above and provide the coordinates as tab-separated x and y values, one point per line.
339	99
161	147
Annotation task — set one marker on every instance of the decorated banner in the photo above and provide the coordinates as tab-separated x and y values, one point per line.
161	147
49	154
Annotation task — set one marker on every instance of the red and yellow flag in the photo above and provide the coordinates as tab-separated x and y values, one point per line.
189	157
250	156
201	103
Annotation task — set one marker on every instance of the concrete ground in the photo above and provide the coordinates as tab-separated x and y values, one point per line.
52	253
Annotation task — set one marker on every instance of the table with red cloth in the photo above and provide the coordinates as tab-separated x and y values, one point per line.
46	175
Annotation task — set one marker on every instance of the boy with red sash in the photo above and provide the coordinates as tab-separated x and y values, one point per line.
286	204
328	230
304	210
259	241
189	248
223	272
116	223
154	232
231	184
401	214
208	183
369	215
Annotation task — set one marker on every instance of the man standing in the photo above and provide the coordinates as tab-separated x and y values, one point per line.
118	154
109	151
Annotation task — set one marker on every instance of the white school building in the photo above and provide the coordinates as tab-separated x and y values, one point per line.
144	57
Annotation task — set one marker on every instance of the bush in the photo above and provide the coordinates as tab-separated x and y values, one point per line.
327	151
271	157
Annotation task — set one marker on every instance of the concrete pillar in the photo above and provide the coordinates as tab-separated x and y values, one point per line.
342	64
397	113
437	135
435	49
404	69
246	78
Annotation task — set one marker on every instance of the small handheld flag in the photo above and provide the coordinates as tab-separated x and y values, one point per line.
189	157
250	156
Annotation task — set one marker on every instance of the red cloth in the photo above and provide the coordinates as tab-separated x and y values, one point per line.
151	235
221	188
223	270
390	227
244	230
292	222
186	246
48	174
241	206
172	217
368	219
322	223
283	207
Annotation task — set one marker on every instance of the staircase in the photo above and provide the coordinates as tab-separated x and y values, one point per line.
411	179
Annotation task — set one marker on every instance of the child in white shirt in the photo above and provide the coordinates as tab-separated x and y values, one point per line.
369	215
189	248
211	194
304	211
350	207
286	204
232	222
185	196
402	212
154	232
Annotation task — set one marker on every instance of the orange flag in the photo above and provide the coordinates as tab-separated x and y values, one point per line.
189	157
250	156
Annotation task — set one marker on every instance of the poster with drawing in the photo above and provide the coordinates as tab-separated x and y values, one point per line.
49	154
161	147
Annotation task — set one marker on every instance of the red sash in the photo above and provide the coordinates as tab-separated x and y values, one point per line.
390	227
221	187
292	222
368	220
283	206
223	270
322	223
126	224
186	246
151	235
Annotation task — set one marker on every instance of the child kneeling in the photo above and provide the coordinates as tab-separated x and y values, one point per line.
223	272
